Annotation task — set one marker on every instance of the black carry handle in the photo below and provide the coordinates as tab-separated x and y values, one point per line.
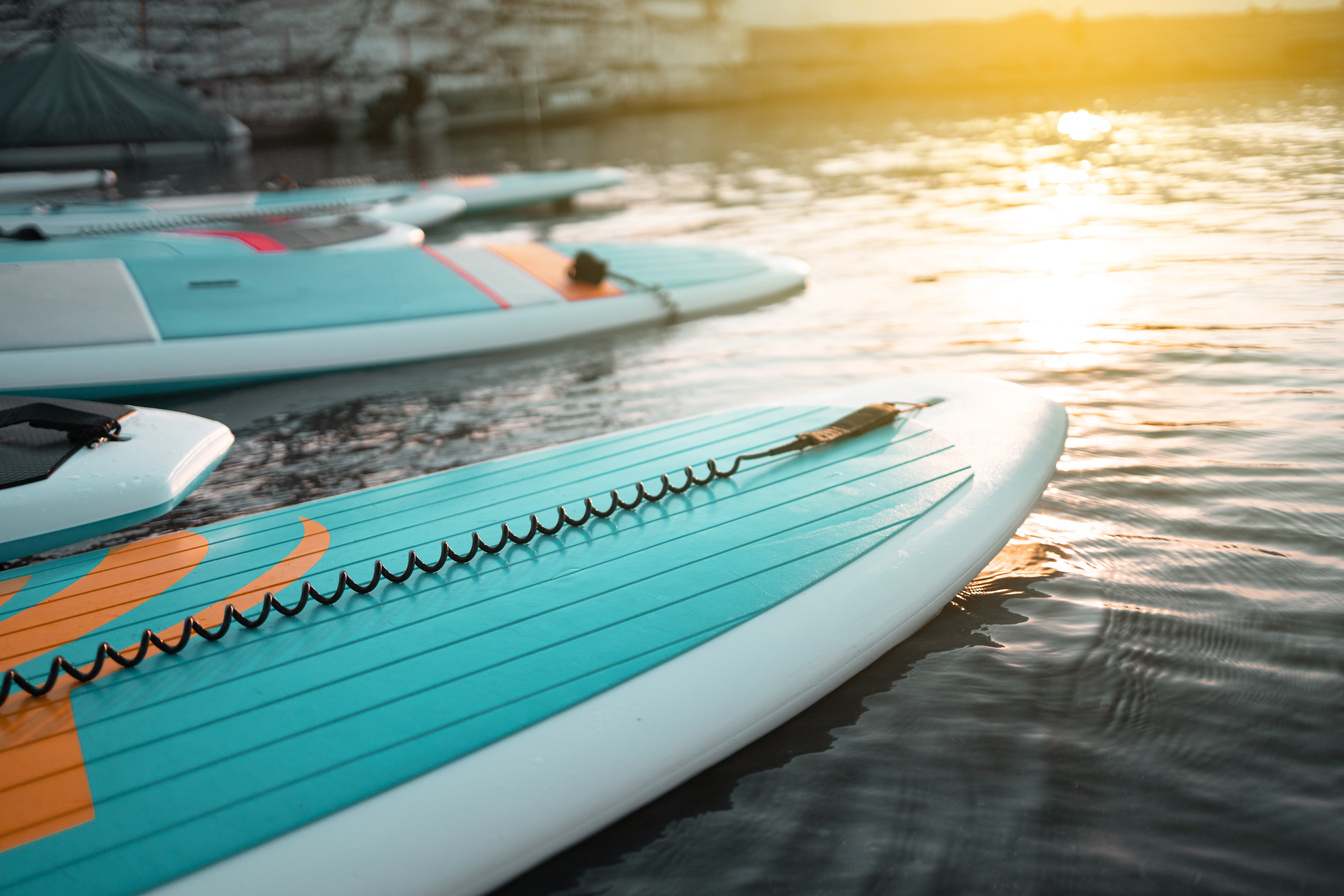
81	427
588	268
856	423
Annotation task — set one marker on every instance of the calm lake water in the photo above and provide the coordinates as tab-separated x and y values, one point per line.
1145	692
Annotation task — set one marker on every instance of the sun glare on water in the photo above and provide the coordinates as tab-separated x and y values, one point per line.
1083	126
1062	299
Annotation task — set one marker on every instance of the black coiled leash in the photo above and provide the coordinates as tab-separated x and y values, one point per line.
864	420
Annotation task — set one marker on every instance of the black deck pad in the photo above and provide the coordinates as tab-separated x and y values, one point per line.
305	234
30	452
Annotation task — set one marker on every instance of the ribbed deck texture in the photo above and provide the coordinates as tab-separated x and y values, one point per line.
192	758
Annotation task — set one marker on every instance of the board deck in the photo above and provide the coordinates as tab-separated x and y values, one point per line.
496	697
147	314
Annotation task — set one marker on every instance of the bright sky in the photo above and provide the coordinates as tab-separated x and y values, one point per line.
793	13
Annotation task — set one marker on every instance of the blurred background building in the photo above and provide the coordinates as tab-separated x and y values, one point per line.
289	66
329	68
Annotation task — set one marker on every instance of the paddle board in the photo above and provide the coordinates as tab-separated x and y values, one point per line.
417	203
70	470
161	312
394	203
511	189
495	192
444	734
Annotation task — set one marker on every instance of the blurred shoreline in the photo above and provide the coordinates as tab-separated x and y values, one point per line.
1039	50
430	67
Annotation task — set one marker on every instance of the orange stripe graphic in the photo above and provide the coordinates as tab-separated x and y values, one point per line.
314	543
473	181
102	595
552	268
12	587
43	785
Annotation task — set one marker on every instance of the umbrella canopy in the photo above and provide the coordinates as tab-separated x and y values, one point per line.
65	96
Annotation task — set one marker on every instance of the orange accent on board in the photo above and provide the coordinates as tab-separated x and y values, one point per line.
103	594
12	587
552	268
43	785
443	260
474	181
314	543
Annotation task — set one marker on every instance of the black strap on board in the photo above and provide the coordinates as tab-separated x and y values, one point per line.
37	435
79	426
865	419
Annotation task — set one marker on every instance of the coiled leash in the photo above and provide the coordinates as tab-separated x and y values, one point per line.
865	419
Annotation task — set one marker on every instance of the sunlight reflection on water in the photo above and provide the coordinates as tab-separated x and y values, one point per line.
1083	126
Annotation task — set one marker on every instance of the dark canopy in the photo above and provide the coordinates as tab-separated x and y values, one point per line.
62	96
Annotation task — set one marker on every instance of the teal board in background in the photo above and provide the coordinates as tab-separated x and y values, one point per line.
496	192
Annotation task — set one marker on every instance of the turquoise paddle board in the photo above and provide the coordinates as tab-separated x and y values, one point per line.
484	193
495	192
418	203
51	219
146	313
443	734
